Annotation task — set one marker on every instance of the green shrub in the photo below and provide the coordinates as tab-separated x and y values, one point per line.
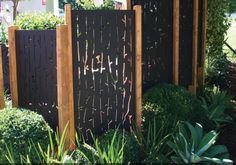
170	102
3	35
191	146
131	147
89	5
154	144
217	72
17	129
217	26
215	105
38	21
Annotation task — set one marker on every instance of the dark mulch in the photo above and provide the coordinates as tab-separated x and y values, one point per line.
228	138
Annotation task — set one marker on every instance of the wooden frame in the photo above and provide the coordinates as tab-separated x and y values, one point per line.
193	87
65	77
70	73
2	102
138	66
12	64
62	79
201	70
176	24
128	5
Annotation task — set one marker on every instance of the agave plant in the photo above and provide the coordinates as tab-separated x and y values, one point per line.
193	146
216	106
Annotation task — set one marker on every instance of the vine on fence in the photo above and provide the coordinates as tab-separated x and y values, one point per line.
217	26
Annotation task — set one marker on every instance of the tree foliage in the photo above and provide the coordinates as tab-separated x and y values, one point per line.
232	6
15	5
87	4
217	26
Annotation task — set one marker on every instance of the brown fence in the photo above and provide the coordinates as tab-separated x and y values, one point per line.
97	56
174	34
103	86
35	72
5	67
103	69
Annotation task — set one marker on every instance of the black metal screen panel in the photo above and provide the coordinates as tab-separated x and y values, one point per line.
186	42
5	65
157	41
36	72
200	31
104	70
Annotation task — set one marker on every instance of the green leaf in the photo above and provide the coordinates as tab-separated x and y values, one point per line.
207	141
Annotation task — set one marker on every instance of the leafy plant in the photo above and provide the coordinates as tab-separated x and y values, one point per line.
215	108
3	35
38	21
170	101
89	5
111	151
17	128
218	23
131	146
154	141
217	72
193	146
55	152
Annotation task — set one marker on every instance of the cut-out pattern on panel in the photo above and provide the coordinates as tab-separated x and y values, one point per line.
157	41
5	65
186	42
104	69
36	72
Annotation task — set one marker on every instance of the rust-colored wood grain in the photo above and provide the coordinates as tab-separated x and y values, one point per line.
62	79
12	64
176	24
128	5
193	87
70	73
2	103
201	70
138	66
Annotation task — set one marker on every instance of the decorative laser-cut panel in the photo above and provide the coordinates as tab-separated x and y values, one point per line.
104	70
5	65
36	72
200	31
186	42
157	41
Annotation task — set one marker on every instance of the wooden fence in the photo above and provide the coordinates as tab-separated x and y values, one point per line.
33	71
91	71
102	58
174	35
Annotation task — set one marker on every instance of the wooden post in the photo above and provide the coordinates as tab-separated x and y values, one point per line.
201	70
70	73
193	87
2	103
138	66
128	5
62	79
12	64
176	13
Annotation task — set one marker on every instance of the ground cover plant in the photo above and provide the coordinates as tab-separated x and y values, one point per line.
17	128
164	137
192	146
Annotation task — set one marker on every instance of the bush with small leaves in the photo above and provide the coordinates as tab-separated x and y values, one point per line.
18	127
38	21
